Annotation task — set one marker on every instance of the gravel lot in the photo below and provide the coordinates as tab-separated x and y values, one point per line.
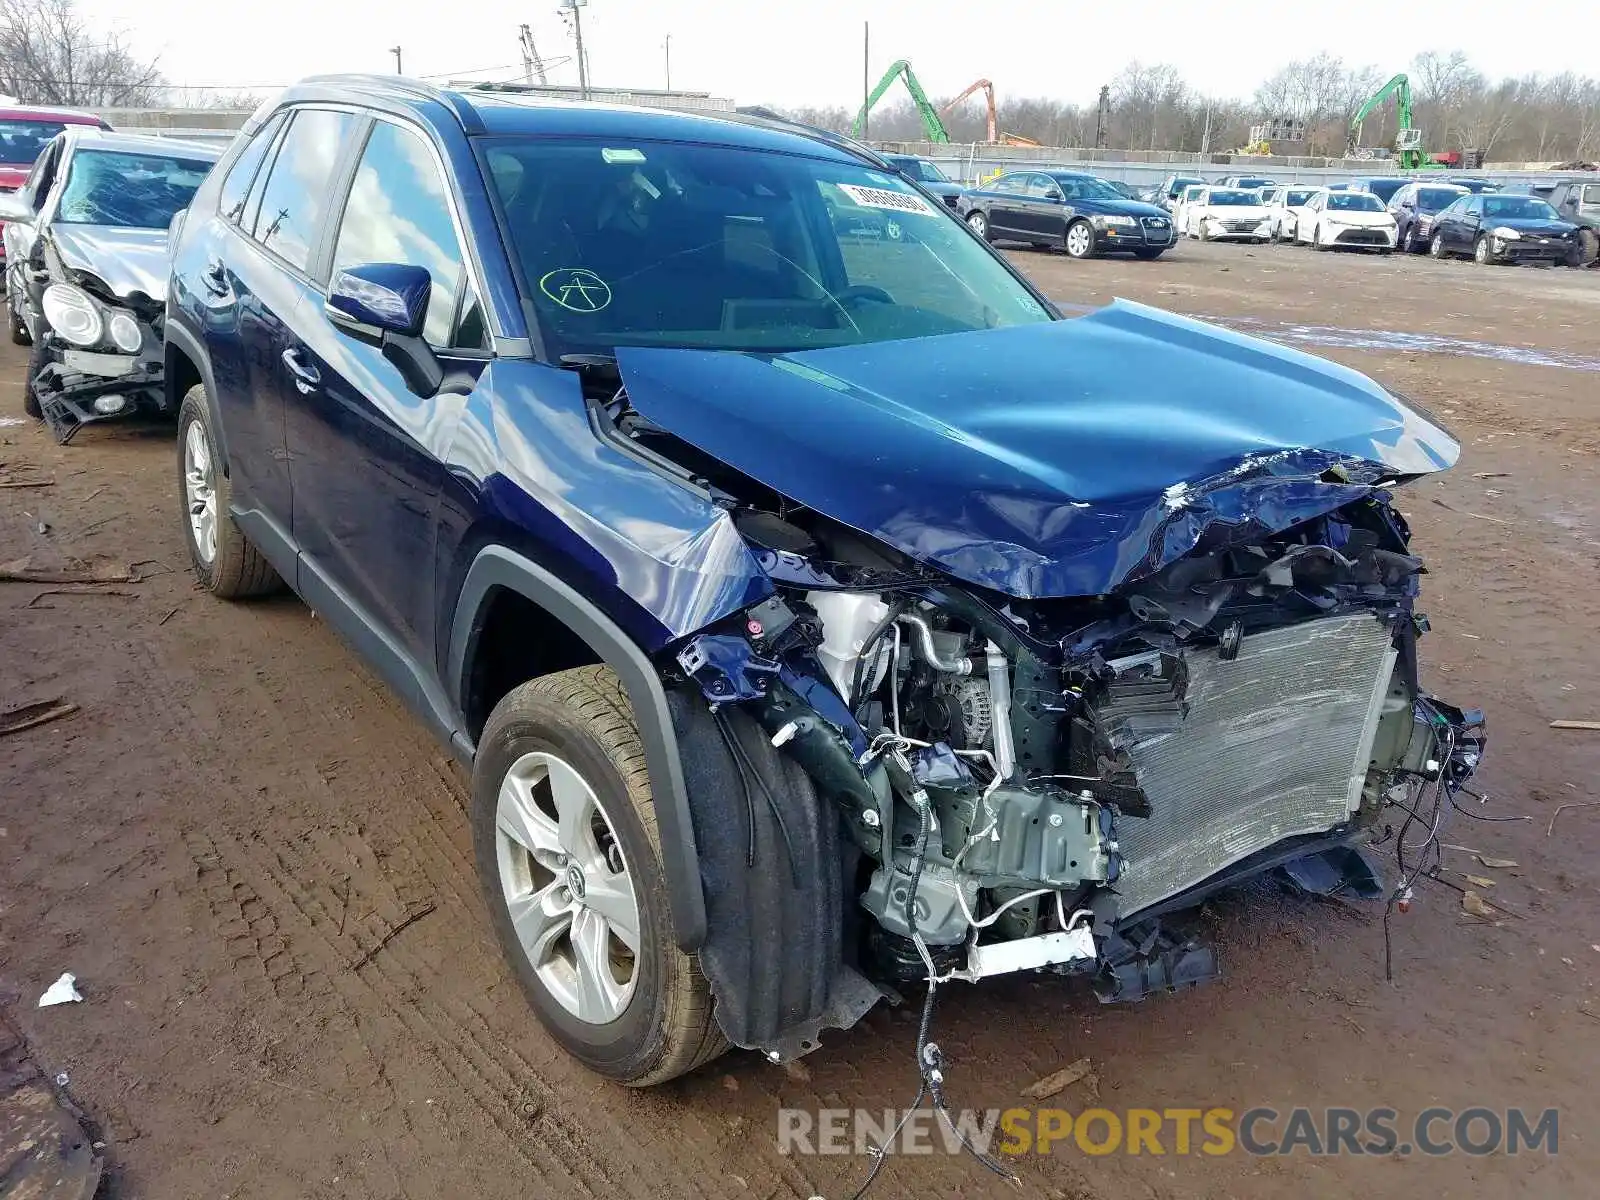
224	835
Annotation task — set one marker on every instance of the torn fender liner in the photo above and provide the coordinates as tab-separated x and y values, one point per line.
1058	459
774	866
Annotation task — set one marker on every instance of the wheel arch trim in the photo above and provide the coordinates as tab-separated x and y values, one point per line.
180	338
497	567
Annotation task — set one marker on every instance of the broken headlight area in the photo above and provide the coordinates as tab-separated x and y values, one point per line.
102	357
1034	784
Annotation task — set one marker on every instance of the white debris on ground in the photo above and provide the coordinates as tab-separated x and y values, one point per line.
62	991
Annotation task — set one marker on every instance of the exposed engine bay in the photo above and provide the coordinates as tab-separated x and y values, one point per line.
1033	783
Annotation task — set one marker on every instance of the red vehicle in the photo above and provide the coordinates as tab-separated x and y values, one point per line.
24	131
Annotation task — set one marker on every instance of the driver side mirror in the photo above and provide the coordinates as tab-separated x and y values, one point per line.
388	303
14	208
1052	194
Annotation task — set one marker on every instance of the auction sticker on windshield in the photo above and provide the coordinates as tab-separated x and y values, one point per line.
884	198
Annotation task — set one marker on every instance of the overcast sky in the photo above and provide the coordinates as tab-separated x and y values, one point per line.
811	53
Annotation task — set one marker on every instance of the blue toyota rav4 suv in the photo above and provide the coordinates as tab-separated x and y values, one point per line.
817	610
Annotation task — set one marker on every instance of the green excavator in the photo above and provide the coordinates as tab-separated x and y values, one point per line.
901	69
1408	138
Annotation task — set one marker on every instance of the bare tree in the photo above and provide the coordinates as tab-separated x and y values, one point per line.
49	56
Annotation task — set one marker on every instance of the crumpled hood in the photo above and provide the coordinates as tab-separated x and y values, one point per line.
127	260
1057	459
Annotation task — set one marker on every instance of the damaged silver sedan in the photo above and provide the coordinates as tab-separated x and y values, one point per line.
86	253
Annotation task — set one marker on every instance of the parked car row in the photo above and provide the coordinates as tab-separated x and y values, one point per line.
769	549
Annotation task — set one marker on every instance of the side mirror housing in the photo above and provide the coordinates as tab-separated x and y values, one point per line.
388	297
14	208
1053	194
388	303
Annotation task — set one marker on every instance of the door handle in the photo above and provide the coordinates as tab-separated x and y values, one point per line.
215	277
307	379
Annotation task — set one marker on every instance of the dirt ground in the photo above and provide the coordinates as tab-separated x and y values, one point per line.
227	838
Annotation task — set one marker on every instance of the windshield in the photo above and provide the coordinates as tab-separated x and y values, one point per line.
1231	198
921	169
21	141
1178	185
671	244
1518	207
1384	189
1298	196
1355	201
131	191
1433	199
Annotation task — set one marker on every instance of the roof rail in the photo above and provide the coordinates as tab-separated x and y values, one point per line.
468	116
758	114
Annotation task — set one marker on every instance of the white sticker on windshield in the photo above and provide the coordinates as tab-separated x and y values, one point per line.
869	197
613	154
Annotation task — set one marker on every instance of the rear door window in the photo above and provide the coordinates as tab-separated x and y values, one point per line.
295	198
399	212
236	187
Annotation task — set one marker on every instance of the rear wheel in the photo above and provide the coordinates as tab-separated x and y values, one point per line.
224	560
978	223
1079	240
564	829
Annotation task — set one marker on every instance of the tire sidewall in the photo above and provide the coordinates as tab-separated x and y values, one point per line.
1436	247
1480	251
191	411
630	1045
978	222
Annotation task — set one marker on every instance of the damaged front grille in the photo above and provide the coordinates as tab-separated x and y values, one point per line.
1268	745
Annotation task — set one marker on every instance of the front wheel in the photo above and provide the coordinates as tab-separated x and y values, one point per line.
30	397
19	328
1436	246
978	223
1079	240
224	560
564	830
1481	253
1316	239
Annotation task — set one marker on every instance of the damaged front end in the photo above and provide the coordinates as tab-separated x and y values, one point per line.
99	351
1187	683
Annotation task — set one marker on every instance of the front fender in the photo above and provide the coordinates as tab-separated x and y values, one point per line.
497	567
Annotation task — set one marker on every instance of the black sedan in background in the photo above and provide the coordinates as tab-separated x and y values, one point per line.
1083	214
929	176
1415	206
1497	228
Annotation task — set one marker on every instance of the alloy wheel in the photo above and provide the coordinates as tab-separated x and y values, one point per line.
199	485
567	888
979	223
1079	241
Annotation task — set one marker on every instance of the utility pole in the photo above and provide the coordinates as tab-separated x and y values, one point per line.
668	48
398	69
577	33
1103	119
532	64
866	76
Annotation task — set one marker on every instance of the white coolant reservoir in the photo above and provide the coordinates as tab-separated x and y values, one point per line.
847	620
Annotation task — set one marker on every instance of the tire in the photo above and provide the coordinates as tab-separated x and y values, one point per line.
19	328
1078	240
1149	253
1316	239
1480	252
1407	242
30	398
1277	235
234	569
577	725
978	222
1436	247
1203	235
1585	249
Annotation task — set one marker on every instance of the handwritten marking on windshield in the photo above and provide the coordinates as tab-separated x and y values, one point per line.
577	289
